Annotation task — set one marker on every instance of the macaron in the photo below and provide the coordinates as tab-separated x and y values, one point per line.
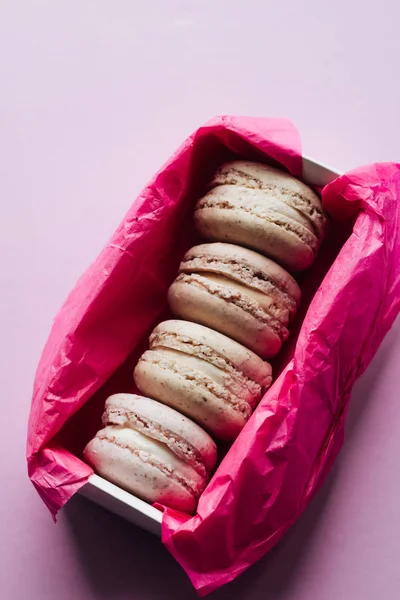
265	209
204	374
238	292
152	451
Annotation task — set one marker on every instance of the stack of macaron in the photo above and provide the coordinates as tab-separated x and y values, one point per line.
234	304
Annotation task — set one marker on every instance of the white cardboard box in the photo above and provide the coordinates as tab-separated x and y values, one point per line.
125	504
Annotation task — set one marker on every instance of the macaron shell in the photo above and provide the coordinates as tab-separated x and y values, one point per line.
198	338
228	382
259	200
259	176
111	456
262	205
189	397
185	438
202	257
266	301
194	303
243	228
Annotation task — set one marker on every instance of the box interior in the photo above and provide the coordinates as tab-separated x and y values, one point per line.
83	425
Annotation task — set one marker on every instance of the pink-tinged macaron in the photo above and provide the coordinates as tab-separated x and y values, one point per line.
238	292
264	209
152	451
204	374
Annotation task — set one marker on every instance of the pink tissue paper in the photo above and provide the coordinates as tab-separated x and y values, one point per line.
351	297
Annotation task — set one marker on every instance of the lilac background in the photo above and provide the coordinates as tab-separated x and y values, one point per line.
94	96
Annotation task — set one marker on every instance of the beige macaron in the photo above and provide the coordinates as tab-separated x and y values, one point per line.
203	374
152	451
263	208
238	292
